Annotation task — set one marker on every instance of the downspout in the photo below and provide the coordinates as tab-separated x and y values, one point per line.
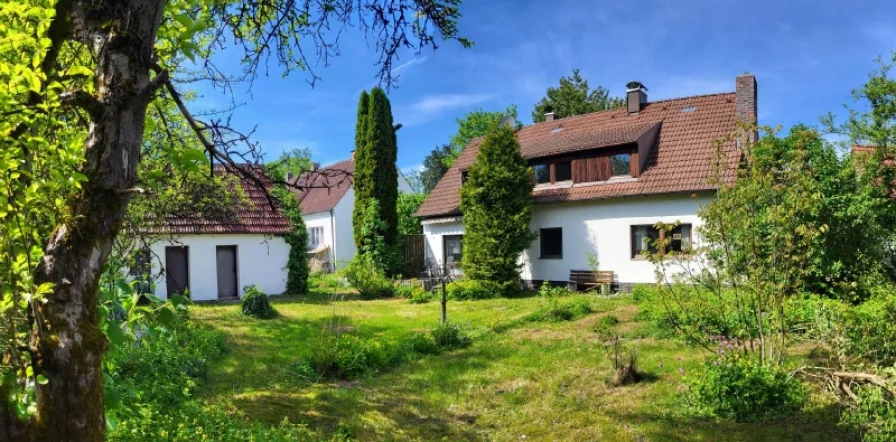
333	235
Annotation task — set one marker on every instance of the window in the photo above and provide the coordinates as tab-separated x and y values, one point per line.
315	236
542	173
551	243
563	171
463	176
620	164
454	250
646	239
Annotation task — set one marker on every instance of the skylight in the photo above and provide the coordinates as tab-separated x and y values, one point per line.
688	109
557	129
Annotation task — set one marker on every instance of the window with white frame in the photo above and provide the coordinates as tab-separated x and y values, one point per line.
315	236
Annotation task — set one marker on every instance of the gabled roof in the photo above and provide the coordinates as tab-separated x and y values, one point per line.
255	215
682	159
324	188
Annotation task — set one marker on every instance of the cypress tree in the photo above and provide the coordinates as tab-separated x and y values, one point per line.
364	165
375	173
496	202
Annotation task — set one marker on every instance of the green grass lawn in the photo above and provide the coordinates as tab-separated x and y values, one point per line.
537	381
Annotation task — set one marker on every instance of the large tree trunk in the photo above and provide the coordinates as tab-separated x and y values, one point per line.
68	342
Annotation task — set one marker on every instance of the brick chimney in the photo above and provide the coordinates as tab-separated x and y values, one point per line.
745	92
635	96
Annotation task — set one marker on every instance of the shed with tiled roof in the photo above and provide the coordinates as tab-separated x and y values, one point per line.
214	257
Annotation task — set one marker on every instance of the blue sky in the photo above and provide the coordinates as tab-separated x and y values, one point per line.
806	55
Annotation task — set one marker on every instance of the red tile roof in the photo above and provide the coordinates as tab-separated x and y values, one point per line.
682	159
255	215
325	187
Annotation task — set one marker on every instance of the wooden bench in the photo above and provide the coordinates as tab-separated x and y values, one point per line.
582	280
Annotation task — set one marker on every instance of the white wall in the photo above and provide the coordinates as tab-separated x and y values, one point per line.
324	220
601	226
345	234
435	246
261	260
604	227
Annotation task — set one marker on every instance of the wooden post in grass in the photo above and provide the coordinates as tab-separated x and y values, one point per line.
444	302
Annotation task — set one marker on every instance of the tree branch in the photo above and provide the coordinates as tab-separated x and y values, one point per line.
82	100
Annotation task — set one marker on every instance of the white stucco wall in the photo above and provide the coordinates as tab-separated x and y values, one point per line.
345	234
261	260
602	227
324	220
435	246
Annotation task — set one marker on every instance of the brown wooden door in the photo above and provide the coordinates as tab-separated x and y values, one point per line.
226	260
177	269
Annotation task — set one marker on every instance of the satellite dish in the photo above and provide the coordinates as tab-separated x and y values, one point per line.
508	121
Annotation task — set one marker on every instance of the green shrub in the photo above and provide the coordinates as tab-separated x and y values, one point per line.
421	344
871	329
695	313
739	388
450	336
162	372
422	297
547	290
348	356
874	414
366	277
256	304
409	291
195	422
552	310
327	281
608	321
468	290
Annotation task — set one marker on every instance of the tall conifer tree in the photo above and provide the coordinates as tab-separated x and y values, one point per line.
496	202
363	178
375	173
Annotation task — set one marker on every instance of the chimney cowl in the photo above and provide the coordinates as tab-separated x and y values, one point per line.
635	96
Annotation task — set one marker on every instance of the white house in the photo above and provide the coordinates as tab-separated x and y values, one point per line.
327	202
216	257
603	180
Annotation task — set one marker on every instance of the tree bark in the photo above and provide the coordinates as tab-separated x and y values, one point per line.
67	342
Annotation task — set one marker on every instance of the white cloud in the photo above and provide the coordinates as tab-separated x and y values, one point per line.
402	68
436	104
406	171
431	107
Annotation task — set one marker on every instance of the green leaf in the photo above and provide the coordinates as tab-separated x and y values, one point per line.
79	70
115	334
183	19
111	397
42	380
166	317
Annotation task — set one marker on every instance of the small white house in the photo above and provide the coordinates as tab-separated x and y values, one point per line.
327	203
603	180
215	258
